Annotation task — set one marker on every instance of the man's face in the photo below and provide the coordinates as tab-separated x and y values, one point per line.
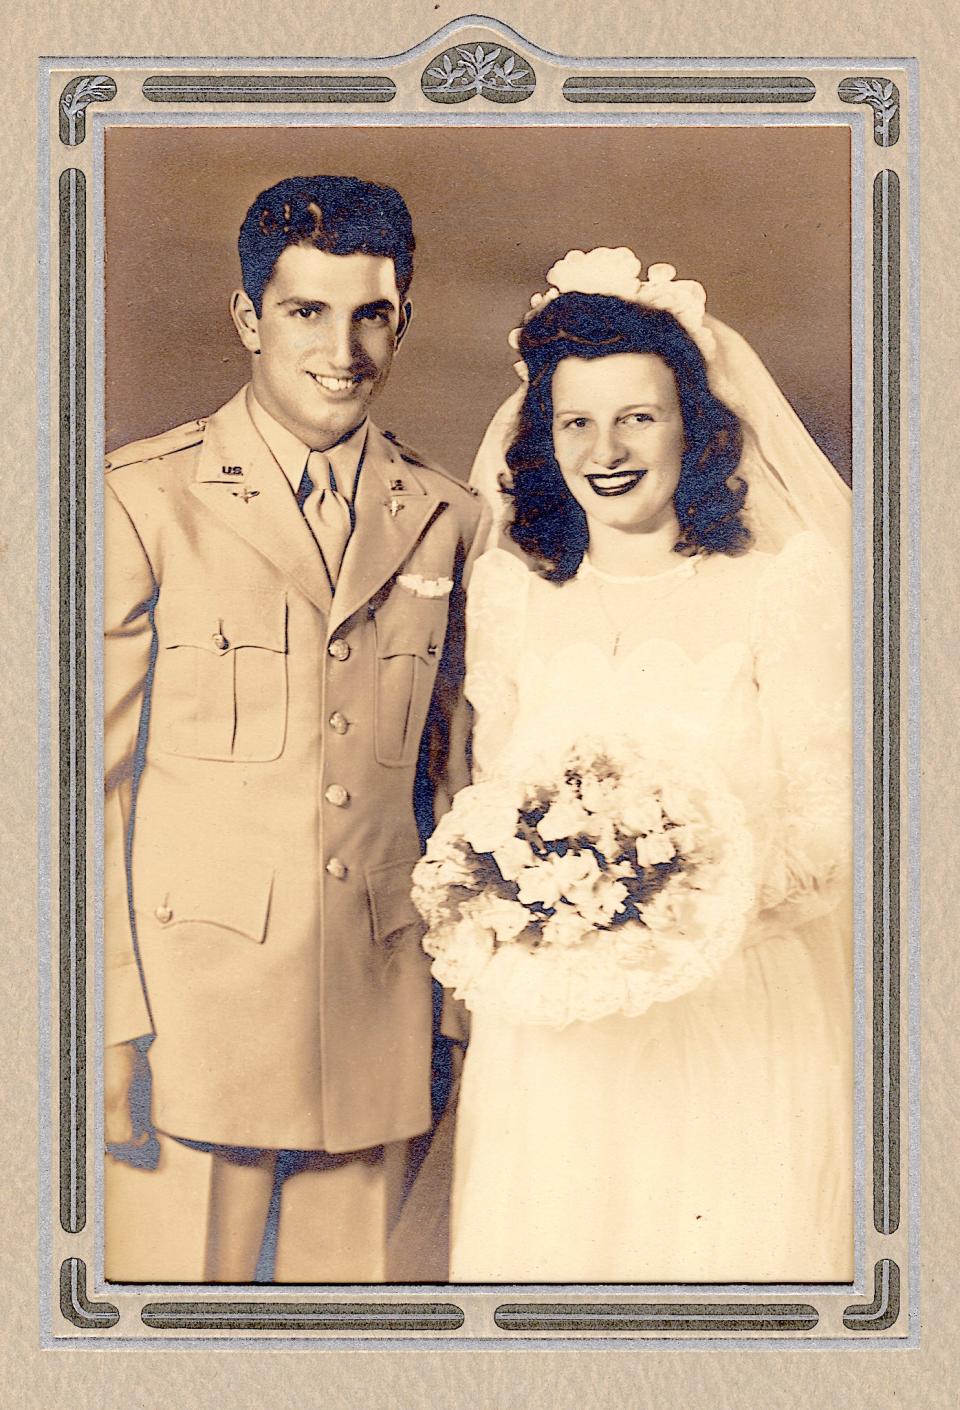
326	337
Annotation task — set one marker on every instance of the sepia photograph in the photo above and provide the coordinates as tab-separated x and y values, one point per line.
466	708
478	706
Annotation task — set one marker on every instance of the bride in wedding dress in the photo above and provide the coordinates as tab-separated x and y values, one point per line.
672	569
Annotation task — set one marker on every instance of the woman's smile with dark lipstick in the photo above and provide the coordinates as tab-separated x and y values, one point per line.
611	483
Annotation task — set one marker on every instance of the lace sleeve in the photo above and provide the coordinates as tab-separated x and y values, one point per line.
803	660
496	616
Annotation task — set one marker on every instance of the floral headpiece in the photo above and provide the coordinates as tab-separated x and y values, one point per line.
618	272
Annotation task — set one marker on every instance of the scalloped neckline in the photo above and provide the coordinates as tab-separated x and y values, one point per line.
687	568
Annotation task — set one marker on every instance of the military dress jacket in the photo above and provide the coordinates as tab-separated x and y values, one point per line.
258	917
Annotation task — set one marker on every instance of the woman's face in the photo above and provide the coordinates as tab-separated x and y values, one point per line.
618	438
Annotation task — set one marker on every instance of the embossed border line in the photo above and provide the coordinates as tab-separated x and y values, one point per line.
883	1311
602	88
304	1316
269	88
656	1317
76	1306
886	702
72	804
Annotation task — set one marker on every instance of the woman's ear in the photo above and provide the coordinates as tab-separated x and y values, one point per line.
245	320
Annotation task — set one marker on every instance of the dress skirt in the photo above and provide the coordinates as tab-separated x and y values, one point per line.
707	1140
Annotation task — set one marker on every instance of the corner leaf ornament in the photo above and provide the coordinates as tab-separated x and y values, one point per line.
620	273
74	101
469	71
883	96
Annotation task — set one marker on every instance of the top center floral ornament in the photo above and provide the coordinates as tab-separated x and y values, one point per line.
467	71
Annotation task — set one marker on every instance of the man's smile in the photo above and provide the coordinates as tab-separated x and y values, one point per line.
615	482
335	385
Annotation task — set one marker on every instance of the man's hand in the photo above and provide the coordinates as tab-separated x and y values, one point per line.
120	1061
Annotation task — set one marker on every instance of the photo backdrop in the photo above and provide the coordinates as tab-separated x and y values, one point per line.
760	216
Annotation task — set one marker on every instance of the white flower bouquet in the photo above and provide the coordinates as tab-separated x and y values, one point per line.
620	882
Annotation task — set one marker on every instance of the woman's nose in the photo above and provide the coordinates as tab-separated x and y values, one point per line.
608	449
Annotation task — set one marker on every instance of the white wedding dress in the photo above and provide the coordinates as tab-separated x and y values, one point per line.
710	1138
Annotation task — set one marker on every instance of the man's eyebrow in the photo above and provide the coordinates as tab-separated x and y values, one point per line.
375	306
294	302
315	305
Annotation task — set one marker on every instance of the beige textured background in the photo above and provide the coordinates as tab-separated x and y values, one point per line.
713	1381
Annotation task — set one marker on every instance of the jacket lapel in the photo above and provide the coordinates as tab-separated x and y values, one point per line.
238	480
393	507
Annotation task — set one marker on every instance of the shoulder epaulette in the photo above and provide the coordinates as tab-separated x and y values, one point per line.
179	438
413	457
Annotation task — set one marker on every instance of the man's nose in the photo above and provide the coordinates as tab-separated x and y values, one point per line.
609	449
338	341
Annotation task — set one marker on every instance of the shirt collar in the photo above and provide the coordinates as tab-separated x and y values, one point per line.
291	453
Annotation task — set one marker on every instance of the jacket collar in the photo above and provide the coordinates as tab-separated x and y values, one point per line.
291	453
238	479
393	507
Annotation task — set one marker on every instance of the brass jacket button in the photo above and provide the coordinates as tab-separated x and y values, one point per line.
337	795
164	915
339	649
336	868
339	723
220	641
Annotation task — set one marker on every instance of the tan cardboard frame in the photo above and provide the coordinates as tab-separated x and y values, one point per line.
878	99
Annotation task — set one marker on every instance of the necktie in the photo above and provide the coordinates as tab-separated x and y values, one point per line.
326	511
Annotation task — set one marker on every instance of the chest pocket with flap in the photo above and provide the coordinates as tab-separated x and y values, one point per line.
220	688
410	637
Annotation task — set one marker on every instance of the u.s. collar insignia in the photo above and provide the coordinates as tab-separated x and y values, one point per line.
231	469
396	487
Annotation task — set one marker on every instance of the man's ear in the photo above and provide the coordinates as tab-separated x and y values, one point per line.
245	320
406	313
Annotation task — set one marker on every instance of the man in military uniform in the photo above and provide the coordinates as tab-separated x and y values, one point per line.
284	607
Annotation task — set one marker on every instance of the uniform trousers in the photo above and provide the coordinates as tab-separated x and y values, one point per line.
200	1215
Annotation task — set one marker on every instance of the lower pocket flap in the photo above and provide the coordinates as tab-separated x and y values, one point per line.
390	904
231	897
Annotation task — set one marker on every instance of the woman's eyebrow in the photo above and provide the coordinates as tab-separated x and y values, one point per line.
631	406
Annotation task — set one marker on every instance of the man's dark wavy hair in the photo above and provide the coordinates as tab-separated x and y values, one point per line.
548	523
341	215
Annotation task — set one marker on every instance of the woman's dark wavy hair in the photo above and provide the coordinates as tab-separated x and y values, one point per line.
548	523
